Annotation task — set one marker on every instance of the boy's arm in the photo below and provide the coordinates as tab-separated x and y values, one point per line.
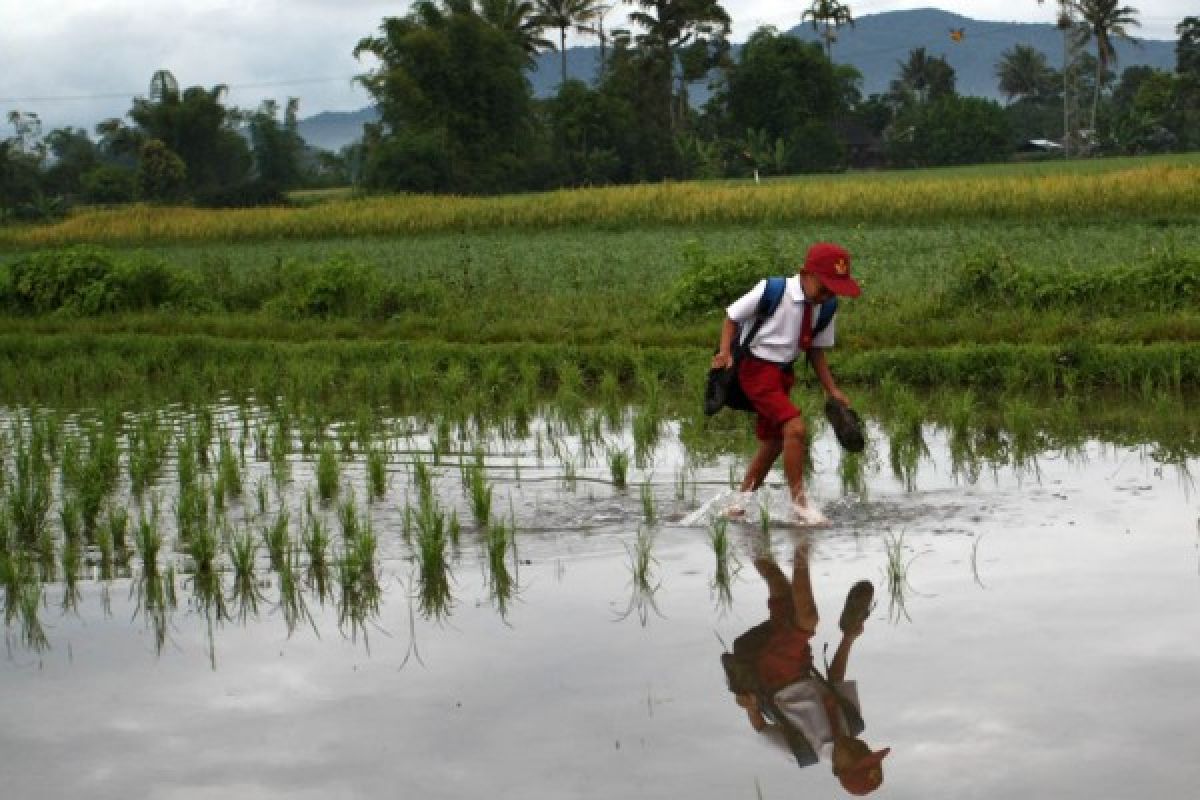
820	366
724	356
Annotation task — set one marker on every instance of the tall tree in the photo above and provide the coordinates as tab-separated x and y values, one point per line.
520	20
786	90
673	27
196	125
1103	21
277	145
567	15
929	77
1024	72
832	15
452	92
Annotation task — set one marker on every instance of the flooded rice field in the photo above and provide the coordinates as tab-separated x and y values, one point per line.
246	602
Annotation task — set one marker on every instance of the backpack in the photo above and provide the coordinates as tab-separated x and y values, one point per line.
723	389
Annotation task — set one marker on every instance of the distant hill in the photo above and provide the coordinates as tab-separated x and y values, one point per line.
333	130
875	45
877	42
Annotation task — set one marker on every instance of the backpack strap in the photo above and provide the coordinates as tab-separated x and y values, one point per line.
768	304
828	309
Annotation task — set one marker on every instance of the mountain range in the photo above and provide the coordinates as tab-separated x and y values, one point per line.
876	46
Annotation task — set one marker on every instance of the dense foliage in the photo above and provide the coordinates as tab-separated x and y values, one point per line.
450	79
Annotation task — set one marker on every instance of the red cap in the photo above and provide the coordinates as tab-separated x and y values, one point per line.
831	264
866	775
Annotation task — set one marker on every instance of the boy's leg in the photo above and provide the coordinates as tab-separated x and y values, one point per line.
802	594
760	465
795	453
778	588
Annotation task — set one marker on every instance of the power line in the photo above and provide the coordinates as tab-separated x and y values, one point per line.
119	95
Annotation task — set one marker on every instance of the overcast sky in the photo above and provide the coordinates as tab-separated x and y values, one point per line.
78	61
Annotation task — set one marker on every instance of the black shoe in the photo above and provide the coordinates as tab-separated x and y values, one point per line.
846	425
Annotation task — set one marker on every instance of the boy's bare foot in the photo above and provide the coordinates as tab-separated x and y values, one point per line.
736	507
805	514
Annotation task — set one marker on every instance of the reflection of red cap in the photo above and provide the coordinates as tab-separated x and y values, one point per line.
866	775
831	264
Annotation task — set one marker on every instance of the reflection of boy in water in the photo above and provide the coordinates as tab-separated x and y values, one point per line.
772	675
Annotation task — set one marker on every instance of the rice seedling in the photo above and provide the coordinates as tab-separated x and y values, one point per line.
896	576
852	474
478	491
29	601
499	541
104	547
345	438
191	511
328	473
726	564
46	550
281	448
117	526
618	467
358	582
644	581
423	479
570	476
148	540
975	561
649	509
70	518
245	593
291	593
647	428
261	496
276	538
71	565
434	593
229	468
316	541
148	444
29	494
376	472
203	546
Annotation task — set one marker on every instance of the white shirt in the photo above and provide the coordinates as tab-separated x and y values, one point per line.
778	339
801	703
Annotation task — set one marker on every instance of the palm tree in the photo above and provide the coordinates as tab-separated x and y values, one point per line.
832	14
1102	21
520	20
1023	72
568	14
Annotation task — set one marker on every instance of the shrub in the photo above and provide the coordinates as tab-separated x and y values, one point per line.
109	184
88	280
243	195
344	287
709	284
1165	280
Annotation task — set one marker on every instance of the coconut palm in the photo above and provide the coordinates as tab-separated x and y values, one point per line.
1023	72
1104	20
568	15
520	19
832	15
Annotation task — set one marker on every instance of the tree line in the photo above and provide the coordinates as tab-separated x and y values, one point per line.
457	111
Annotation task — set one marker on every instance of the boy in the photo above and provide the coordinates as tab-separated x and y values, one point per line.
766	374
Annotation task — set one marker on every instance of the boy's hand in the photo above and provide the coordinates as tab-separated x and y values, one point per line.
722	360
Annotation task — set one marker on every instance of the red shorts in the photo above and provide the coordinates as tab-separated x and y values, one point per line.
766	386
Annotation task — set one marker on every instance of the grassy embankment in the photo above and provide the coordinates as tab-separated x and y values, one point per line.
1043	275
